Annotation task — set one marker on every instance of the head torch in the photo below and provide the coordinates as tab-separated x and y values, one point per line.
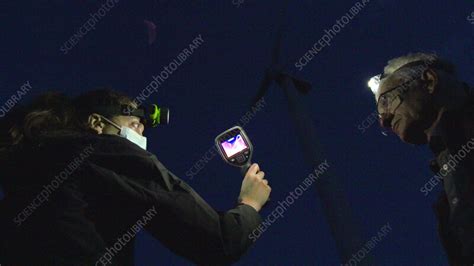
415	71
150	115
374	83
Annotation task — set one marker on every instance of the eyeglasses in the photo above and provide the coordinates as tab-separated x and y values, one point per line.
389	101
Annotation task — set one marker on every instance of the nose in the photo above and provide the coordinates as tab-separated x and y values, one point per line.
385	120
140	129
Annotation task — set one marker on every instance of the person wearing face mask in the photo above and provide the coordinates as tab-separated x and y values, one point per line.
79	184
420	98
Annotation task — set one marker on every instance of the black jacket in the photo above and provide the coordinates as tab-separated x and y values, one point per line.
73	197
452	141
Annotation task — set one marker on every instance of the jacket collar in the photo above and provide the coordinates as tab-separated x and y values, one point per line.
452	128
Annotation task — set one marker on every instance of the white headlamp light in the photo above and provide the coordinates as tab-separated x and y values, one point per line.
374	84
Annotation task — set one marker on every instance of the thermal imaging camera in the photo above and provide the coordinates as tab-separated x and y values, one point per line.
235	148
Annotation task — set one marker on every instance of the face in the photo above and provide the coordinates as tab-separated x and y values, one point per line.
414	113
132	122
100	125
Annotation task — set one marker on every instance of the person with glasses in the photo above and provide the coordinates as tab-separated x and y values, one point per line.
420	98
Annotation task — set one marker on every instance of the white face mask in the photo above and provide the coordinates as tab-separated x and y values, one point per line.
130	134
133	136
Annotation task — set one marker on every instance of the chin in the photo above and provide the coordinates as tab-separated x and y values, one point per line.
412	135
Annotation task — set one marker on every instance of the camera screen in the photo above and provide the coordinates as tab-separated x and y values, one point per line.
234	145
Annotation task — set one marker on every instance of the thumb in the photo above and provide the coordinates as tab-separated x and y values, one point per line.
254	168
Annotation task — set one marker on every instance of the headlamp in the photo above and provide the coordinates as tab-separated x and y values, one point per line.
158	115
416	69
150	115
374	84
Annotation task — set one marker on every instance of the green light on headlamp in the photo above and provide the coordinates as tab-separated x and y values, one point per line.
151	115
158	115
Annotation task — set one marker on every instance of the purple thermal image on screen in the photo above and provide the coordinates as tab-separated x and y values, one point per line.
234	145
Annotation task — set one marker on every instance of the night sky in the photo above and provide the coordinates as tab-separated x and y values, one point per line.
212	89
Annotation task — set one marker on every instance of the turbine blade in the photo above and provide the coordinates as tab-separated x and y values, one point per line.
302	86
264	85
279	34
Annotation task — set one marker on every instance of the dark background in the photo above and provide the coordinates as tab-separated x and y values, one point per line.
211	90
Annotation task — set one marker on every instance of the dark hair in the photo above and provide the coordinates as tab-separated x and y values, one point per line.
53	112
87	103
47	112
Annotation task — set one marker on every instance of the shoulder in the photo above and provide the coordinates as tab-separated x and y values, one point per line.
77	140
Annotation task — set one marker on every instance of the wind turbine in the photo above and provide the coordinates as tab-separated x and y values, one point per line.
336	208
